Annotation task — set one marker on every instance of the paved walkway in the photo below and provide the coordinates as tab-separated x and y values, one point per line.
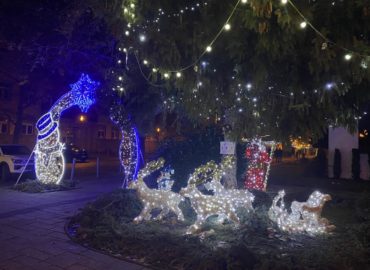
32	230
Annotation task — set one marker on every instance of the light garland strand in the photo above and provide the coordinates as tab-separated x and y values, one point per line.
326	39
206	50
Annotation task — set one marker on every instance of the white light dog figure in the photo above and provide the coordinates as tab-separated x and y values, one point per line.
304	216
166	200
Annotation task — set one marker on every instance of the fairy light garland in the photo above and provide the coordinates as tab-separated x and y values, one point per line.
166	200
304	217
348	52
49	160
177	73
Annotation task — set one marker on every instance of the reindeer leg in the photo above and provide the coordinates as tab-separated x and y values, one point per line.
233	217
163	213
196	227
178	212
143	214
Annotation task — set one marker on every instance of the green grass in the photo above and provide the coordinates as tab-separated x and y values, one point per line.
34	186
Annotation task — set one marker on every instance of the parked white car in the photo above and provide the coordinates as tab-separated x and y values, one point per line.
13	158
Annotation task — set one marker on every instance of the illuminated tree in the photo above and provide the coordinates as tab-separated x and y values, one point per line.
269	71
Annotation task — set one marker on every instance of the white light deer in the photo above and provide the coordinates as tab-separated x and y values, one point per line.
166	200
238	197
206	205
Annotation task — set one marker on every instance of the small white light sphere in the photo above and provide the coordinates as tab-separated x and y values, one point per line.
142	38
348	56
303	24
178	74
227	27
244	1
284	2
145	62
166	75
209	49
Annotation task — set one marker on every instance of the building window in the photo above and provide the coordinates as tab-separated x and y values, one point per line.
101	133
4	92
3	128
27	129
114	134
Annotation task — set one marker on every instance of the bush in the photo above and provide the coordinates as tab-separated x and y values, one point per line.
337	169
186	155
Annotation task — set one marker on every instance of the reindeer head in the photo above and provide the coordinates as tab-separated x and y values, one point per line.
147	170
318	198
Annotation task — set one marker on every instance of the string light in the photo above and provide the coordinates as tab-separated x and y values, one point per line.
178	74
347	56
142	38
303	24
165	200
49	160
327	40
304	217
208	48
284	2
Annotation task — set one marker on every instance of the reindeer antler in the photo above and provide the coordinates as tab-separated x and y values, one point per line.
202	173
150	168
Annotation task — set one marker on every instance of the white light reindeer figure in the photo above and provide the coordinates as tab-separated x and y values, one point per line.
166	200
238	198
49	161
304	216
206	205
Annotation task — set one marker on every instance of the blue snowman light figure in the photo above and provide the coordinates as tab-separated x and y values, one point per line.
164	181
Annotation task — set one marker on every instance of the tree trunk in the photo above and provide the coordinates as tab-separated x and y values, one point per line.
19	116
229	178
